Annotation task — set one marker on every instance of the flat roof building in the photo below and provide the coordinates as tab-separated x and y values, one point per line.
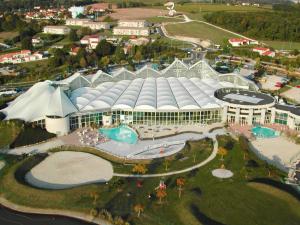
62	30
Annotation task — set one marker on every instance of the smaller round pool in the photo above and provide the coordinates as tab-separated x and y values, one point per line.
264	132
121	134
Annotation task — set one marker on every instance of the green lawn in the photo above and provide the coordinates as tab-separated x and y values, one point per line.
199	30
283	45
8	132
205	199
158	19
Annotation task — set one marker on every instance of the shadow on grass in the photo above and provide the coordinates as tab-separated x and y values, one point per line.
27	166
202	218
276	184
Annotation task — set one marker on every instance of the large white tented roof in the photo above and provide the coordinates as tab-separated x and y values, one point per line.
149	94
177	87
41	100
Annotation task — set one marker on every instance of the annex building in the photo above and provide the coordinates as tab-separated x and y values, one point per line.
179	95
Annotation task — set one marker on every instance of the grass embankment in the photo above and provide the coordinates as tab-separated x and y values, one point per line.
283	45
199	30
8	35
205	199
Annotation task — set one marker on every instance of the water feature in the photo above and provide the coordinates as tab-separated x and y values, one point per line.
264	132
121	133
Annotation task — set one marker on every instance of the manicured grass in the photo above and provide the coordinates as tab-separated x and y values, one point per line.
164	19
8	132
283	45
205	199
176	43
199	30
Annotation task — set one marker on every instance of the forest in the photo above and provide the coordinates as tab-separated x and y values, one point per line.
277	25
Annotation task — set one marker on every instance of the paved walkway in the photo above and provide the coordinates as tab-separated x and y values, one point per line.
210	158
40	148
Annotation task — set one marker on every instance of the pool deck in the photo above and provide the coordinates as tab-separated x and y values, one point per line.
169	141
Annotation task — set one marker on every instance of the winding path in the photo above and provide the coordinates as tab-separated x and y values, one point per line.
209	159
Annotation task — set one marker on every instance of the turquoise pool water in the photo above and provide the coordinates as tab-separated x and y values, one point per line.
264	132
121	134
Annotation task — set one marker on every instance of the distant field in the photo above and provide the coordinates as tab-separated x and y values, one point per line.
198	10
199	30
279	45
158	19
137	13
7	35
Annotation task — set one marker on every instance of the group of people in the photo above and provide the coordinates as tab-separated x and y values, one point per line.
90	137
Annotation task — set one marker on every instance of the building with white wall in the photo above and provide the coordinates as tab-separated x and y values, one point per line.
136	31
133	23
178	95
61	30
88	23
132	27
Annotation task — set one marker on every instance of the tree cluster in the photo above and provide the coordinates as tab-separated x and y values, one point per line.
283	26
130	4
25	5
106	53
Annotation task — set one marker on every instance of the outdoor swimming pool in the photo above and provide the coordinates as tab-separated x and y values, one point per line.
264	132
121	134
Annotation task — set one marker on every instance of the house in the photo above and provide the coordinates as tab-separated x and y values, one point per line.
20	57
76	22
88	23
133	23
62	30
37	41
74	50
236	42
91	40
138	31
97	25
264	51
269	53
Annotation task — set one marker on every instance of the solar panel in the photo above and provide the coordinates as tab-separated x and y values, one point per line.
242	98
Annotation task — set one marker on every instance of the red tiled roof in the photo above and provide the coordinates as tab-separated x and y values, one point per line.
261	49
268	53
238	40
12	54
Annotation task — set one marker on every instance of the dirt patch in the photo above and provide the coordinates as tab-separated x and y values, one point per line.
136	13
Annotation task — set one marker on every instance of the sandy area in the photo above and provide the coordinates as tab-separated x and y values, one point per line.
69	169
136	13
280	150
293	93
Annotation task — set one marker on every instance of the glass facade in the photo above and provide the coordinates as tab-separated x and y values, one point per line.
148	118
281	118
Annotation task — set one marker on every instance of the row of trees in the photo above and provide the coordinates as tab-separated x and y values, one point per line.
13	5
284	26
106	53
